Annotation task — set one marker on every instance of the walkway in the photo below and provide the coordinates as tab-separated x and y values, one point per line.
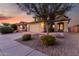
9	47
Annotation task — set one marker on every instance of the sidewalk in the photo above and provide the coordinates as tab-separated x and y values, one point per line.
9	47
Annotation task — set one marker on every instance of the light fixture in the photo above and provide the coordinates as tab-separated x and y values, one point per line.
53	26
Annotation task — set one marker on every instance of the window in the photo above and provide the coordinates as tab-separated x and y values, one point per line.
60	26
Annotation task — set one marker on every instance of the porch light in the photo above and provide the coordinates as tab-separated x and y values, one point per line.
53	26
20	26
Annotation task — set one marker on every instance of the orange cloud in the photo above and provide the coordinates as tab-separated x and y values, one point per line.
16	19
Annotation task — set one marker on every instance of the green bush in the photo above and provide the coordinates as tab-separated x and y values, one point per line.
14	26
48	39
26	37
5	30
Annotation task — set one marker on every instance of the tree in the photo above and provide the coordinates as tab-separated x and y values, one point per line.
14	26
46	11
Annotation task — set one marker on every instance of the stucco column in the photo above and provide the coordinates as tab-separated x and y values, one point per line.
65	26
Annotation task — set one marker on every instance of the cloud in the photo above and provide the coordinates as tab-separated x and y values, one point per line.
10	9
74	15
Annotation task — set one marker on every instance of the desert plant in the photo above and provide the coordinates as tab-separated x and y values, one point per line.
26	37
5	30
48	39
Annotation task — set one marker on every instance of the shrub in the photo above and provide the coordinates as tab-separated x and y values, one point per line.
48	39
26	37
14	26
5	30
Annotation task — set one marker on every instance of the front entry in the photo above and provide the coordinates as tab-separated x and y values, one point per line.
60	26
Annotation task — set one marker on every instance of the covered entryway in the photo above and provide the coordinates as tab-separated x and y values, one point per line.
60	26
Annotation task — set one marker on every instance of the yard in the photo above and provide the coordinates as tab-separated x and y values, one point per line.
68	46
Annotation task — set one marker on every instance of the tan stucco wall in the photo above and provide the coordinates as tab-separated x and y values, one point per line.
56	27
66	26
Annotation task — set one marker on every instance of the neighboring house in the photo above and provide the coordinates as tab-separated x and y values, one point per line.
60	25
22	26
74	28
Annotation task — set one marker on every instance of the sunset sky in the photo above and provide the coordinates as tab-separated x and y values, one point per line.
12	14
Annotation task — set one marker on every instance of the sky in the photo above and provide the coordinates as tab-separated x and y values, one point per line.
16	14
13	14
74	15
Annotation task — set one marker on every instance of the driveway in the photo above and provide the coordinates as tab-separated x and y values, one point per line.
9	47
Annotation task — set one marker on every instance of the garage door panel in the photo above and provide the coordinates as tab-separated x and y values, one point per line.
36	28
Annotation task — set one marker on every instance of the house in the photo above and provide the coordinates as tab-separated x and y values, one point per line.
60	25
22	26
74	28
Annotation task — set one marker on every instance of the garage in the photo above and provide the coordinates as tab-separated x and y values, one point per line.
36	27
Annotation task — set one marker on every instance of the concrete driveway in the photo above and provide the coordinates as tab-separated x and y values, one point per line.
9	47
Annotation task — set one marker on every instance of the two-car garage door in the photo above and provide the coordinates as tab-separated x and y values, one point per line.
35	27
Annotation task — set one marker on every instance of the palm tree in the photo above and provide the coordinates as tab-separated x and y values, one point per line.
46	11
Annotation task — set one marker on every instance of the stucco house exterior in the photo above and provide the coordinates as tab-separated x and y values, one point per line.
60	25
